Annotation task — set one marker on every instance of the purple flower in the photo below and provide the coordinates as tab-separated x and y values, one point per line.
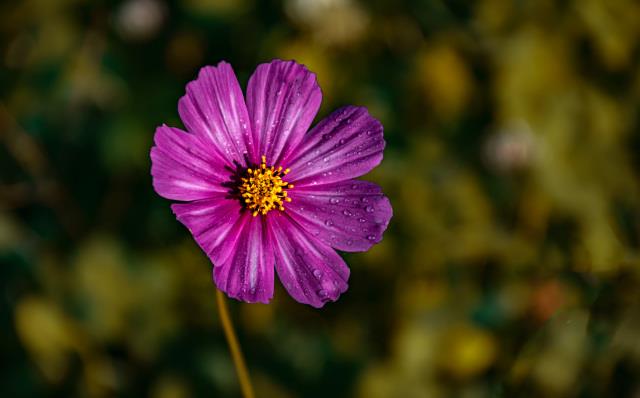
260	189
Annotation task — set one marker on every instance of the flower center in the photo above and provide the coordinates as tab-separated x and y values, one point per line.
262	189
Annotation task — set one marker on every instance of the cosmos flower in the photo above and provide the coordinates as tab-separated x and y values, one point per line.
260	191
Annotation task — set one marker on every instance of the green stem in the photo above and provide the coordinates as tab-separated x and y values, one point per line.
234	347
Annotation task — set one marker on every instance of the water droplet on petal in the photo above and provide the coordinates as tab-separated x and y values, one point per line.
328	223
365	199
362	220
349	242
369	209
371	237
346	212
322	293
334	200
317	273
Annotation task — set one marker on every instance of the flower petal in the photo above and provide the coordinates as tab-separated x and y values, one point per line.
236	244
283	97
183	168
311	271
214	108
349	216
247	273
213	222
345	145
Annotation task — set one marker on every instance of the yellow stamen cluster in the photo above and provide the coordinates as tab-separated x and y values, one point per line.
263	189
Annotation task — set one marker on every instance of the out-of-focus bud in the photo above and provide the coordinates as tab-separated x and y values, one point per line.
140	20
331	22
546	299
511	148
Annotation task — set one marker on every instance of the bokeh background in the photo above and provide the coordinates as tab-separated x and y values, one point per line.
511	266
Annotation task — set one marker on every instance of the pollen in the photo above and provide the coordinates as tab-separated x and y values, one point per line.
263	189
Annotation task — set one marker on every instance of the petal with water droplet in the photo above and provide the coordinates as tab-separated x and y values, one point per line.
312	272
347	154
345	221
283	97
214	109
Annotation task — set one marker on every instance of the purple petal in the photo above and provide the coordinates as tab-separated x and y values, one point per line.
311	271
282	98
183	168
247	273
236	243
214	108
349	216
213	223
345	145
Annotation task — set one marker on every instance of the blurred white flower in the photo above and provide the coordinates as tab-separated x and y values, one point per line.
139	20
331	22
511	148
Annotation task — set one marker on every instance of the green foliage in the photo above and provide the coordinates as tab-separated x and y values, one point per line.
510	268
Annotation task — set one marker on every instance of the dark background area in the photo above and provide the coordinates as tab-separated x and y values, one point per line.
510	268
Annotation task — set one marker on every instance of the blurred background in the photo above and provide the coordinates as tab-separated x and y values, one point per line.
511	266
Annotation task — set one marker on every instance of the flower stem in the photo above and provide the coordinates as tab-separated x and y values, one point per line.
234	347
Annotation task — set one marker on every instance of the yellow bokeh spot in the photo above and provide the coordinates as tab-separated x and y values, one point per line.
469	351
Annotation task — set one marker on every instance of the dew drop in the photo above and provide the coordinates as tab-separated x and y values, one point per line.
322	293
328	223
369	209
317	273
334	200
346	212
371	237
362	220
325	159
349	242
365	199
354	186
